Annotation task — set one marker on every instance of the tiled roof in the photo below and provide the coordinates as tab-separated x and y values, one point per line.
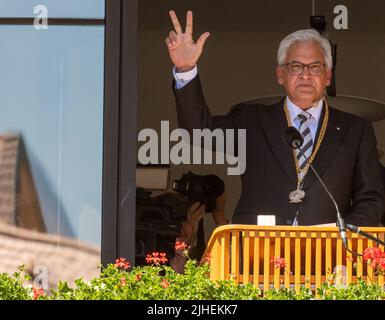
23	240
64	258
8	166
19	201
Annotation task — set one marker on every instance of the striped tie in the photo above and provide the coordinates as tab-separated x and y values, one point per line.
307	146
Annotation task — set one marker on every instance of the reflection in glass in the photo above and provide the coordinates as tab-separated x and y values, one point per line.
51	131
56	8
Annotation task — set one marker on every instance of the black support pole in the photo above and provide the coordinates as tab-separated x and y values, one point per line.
119	151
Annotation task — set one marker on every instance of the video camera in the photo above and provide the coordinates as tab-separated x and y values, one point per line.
159	218
203	189
158	223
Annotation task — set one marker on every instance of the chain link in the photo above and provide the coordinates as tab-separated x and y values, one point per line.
317	146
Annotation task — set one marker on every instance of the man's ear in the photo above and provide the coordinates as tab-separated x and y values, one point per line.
328	77
279	75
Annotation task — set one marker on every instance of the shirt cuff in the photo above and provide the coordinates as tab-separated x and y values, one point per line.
183	78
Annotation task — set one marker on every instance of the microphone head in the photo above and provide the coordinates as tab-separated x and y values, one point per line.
293	138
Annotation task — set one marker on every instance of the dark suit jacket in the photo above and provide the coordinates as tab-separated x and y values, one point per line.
383	179
346	161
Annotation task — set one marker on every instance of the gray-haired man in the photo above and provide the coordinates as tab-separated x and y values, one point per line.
277	180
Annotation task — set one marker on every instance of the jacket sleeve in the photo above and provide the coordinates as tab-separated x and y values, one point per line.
368	190
193	112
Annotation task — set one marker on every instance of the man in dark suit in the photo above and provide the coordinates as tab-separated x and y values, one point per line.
277	180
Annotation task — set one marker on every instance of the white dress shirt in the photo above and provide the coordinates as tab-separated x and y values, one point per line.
183	78
315	115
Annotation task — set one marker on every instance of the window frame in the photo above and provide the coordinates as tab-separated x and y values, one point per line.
119	123
120	137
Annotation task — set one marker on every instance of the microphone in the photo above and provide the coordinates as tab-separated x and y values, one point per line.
357	230
293	138
295	141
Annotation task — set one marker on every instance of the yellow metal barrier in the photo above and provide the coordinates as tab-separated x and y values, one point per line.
312	255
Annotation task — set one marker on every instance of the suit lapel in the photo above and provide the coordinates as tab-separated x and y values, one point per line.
274	124
334	135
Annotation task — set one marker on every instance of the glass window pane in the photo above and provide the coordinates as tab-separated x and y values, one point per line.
51	139
56	8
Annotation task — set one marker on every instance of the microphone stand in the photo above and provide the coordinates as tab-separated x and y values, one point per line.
340	221
296	143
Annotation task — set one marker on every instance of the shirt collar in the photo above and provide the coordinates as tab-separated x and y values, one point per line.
315	111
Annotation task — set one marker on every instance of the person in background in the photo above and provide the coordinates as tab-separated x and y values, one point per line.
190	230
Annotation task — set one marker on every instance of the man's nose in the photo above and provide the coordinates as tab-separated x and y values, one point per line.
305	72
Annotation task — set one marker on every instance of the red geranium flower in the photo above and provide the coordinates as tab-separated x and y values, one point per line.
138	277
156	258
148	258
122	281
207	258
279	263
180	245
373	253
38	292
165	283
376	258
163	258
122	263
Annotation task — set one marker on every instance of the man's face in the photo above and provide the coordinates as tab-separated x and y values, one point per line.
304	89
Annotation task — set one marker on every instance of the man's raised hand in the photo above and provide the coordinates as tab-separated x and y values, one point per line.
184	52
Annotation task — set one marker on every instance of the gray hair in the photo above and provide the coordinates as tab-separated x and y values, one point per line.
305	36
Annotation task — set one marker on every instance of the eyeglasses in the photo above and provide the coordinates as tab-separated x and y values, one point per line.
296	68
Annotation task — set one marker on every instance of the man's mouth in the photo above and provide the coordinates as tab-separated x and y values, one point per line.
305	85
